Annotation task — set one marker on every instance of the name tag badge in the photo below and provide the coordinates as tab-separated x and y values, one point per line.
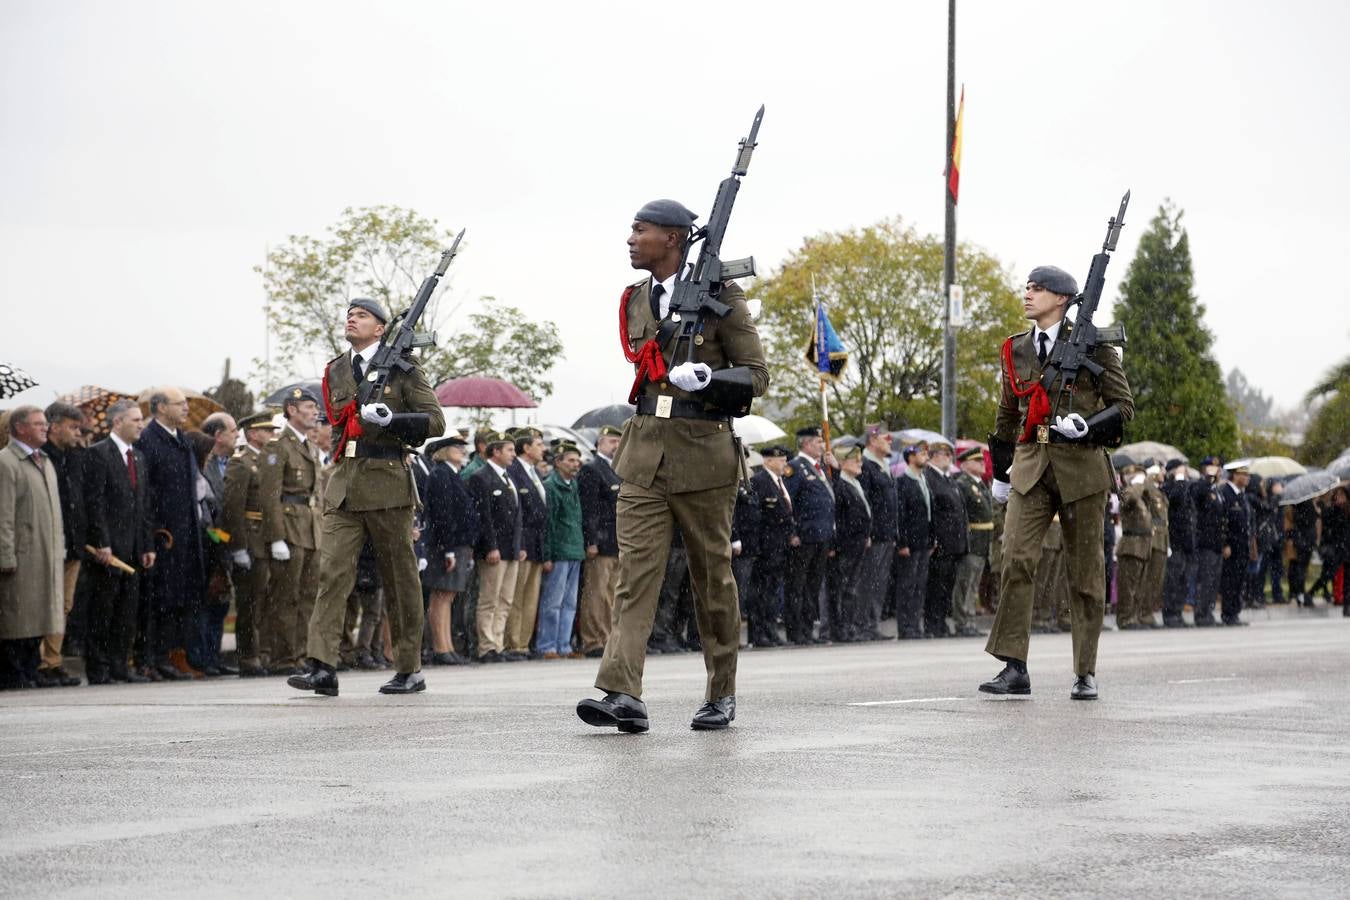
350	451
663	405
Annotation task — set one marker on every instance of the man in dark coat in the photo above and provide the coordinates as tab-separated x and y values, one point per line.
598	485
64	450
178	581
1306	521
744	539
1181	565
1211	536
951	540
530	491
914	542
852	538
775	531
1240	546
498	551
874	580
808	486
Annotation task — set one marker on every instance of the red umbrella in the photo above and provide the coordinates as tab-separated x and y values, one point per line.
483	392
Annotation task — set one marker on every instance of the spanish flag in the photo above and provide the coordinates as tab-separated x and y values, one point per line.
954	169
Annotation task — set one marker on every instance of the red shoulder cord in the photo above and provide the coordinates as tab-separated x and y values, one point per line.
1038	407
346	424
651	365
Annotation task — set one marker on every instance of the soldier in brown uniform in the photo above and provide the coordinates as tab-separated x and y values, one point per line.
288	488
248	549
1156	572
370	492
1057	466
1134	549
680	464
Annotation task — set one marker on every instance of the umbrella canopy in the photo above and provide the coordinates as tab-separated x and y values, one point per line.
1306	487
754	429
277	397
1161	453
94	402
911	435
14	381
478	392
1340	467
1274	467
615	414
199	406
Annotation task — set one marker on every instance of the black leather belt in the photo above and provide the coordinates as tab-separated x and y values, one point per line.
679	409
368	450
297	499
1137	533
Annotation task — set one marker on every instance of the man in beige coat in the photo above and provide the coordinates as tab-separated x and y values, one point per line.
32	549
680	464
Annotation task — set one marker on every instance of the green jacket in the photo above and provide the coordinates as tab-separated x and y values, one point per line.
564	539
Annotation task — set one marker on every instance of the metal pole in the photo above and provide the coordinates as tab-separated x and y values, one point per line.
949	242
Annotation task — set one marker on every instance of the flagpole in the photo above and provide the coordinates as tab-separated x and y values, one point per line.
819	328
949	242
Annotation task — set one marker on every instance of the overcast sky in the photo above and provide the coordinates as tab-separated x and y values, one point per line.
153	150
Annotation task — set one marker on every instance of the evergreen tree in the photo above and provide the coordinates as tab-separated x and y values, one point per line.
1179	392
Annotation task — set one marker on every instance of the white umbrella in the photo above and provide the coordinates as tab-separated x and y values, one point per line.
1306	487
756	430
1274	467
1340	466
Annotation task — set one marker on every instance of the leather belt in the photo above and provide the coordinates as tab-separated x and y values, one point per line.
981	526
298	499
366	450
1044	434
253	515
679	409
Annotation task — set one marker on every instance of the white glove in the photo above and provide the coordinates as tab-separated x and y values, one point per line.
241	559
1001	490
421	564
691	376
377	413
1073	426
280	552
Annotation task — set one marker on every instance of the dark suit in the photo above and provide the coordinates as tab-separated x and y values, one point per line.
499	530
118	518
533	512
1238	531
533	539
813	525
951	533
744	528
1211	534
766	578
598	486
874	580
450	512
911	571
179	577
853	529
1181	565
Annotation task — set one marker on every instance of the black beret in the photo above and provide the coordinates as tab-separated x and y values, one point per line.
371	306
1175	463
1211	461
668	213
1054	279
777	451
970	452
809	431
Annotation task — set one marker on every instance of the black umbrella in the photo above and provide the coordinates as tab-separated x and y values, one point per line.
615	414
278	397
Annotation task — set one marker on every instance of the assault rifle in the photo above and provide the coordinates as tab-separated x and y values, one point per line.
697	287
1074	355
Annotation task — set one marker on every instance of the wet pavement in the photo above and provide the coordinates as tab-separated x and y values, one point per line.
1216	763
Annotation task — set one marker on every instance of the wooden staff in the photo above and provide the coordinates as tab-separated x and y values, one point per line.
114	561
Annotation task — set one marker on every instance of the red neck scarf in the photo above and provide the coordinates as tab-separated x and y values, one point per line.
346	424
651	365
1038	407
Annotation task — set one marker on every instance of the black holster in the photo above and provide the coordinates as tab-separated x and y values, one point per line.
1107	428
730	391
411	428
1001	452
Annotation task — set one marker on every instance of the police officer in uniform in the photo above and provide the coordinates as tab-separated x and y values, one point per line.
1053	465
371	492
680	464
811	544
775	531
248	550
288	478
979	526
1211	536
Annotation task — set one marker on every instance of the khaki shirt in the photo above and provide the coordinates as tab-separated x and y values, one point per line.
1157	507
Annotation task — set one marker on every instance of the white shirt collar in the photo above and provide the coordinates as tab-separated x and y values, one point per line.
296	432
122	446
609	460
669	285
1052	332
366	354
812	462
501	473
23	448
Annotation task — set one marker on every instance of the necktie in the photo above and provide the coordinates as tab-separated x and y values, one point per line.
1041	353
131	468
356	368
783	490
37	459
658	291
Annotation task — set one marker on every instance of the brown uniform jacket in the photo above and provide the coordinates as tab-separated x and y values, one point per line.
288	475
365	484
243	508
699	454
1157	508
1081	469
1136	523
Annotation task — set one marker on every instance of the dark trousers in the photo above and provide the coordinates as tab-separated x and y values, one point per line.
1179	567
110	619
741	567
1272	567
1298	571
19	659
213	631
911	584
845	599
1209	566
874	583
1231	583
805	575
937	600
762	598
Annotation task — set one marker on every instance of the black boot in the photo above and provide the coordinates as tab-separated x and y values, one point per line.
1012	680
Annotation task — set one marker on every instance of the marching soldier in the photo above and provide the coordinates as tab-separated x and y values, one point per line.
1048	458
1134	549
248	549
1156	572
371	493
288	478
680	463
775	530
979	527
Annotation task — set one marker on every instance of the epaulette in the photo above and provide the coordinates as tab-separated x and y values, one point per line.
1019	334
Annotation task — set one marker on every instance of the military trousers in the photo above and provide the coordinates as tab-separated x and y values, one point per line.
1130	580
496	592
292	589
1155	576
344	534
524	606
874	583
1028	517
645	517
806	568
1209	566
966	591
595	609
911	583
250	601
1180	567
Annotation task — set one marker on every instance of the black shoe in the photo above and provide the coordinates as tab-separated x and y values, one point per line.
404	683
820	640
343	666
320	679
714	715
251	670
875	635
169	673
445	659
130	676
150	673
628	714
61	676
211	671
1205	623
668	645
595	652
1084	688
99	677
1009	681
366	662
1176	623
514	656
492	656
1234	622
